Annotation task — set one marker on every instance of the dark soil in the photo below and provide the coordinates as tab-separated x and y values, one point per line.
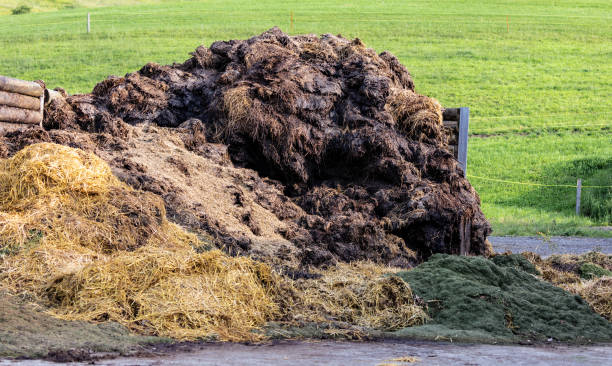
347	155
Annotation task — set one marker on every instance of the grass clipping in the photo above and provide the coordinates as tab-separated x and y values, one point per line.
588	275
93	249
498	299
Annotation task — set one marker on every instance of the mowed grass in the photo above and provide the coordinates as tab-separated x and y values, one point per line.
6	6
537	75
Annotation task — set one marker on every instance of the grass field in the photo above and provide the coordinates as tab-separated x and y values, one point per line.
35	6
536	75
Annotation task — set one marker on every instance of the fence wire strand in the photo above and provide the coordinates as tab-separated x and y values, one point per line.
532	183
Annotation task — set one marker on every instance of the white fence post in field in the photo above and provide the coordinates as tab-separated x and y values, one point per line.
578	192
88	22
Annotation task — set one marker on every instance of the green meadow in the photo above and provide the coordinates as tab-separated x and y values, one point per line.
537	76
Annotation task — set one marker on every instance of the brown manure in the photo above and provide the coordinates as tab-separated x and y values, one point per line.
349	159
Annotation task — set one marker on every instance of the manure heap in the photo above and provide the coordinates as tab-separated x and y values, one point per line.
297	151
272	187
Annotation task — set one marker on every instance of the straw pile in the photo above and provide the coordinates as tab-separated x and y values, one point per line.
358	293
171	292
597	292
92	248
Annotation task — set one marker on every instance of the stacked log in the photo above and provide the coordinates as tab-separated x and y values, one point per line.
21	103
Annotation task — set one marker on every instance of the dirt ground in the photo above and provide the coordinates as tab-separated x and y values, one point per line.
370	354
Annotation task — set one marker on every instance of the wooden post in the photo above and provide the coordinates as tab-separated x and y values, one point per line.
88	22
508	23
465	235
464	120
578	193
291	21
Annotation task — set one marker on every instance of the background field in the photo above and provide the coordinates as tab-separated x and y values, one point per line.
537	76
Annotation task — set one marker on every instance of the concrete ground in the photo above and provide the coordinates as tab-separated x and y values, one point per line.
368	353
552	245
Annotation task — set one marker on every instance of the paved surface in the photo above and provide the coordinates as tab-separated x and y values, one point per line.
371	354
556	244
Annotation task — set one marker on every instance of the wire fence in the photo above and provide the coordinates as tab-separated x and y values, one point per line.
591	200
535	184
541	128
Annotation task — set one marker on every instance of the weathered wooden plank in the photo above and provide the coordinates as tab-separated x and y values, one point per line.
20	86
464	119
451	124
465	235
450	114
19	100
19	115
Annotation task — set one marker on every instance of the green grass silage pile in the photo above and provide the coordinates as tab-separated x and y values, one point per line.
498	300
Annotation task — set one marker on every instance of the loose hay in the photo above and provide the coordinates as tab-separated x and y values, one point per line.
597	292
94	249
417	116
405	359
170	292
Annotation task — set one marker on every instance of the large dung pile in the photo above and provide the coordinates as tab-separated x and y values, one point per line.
84	246
300	150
